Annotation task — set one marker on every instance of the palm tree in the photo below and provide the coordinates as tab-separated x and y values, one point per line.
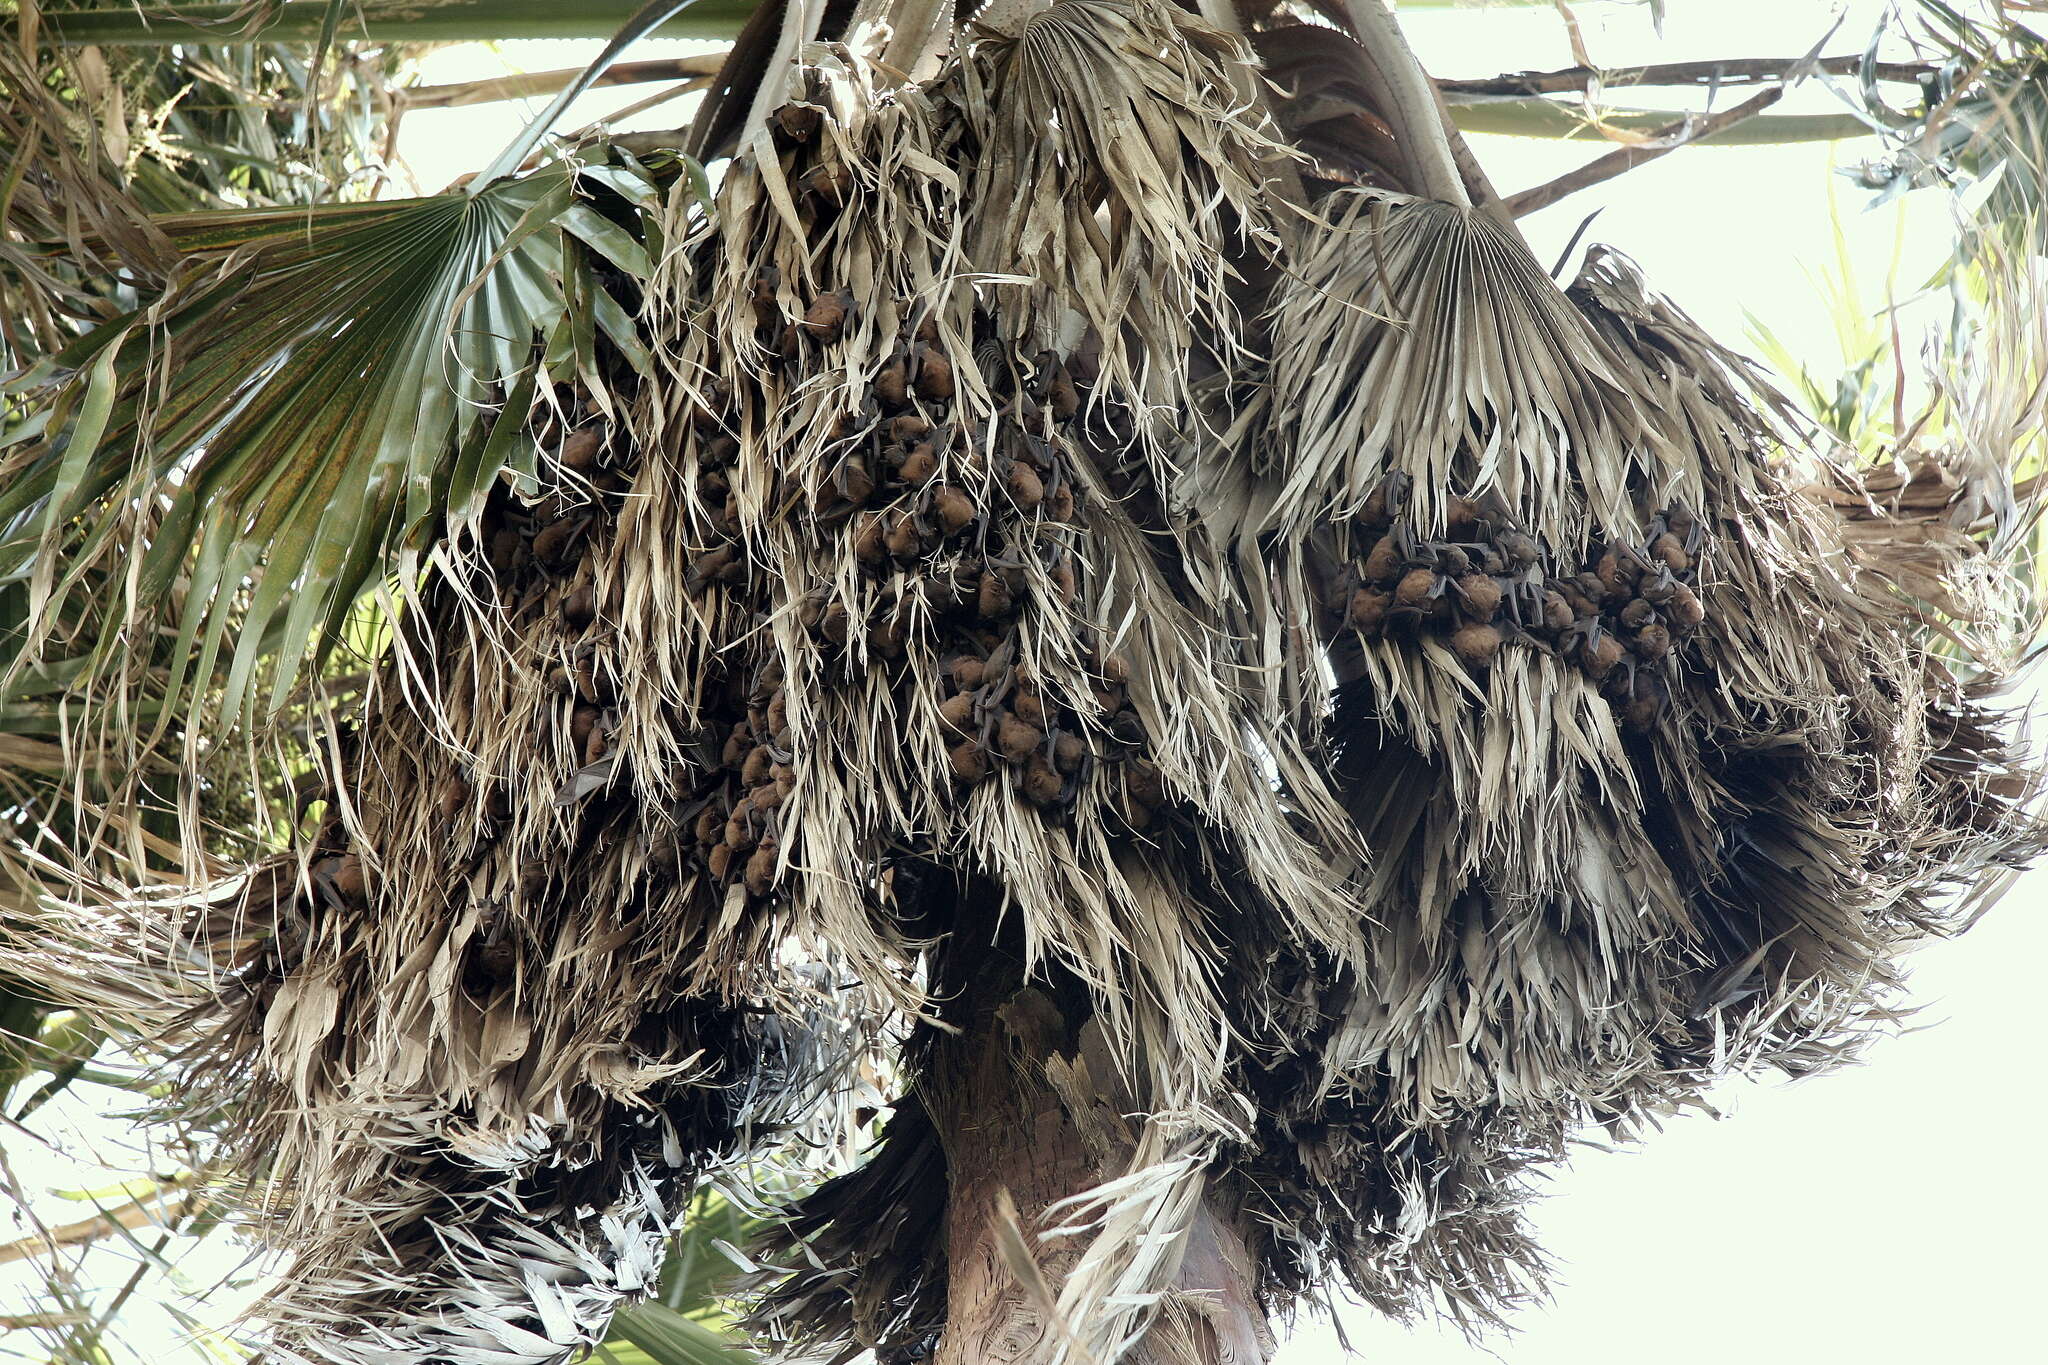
1089	606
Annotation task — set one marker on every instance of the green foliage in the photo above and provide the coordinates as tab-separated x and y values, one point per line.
330	364
96	139
1858	404
1981	122
686	1323
178	557
655	1334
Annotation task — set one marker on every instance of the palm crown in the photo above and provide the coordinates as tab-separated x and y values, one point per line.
1091	597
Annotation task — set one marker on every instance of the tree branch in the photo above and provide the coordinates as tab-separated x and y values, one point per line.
534	84
1682	133
151	1210
1726	71
1543	118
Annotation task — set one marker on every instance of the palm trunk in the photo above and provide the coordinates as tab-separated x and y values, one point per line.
1004	1129
1008	1130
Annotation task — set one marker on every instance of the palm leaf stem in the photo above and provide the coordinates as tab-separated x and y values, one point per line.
384	21
1714	74
1542	118
533	84
1682	133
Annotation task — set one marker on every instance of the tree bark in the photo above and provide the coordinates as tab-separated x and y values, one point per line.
1013	1122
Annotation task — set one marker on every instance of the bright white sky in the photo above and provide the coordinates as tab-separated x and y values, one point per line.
1887	1215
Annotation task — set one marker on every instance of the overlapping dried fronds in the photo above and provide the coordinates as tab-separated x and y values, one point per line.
1545	530
1669	832
1332	713
1122	165
931	545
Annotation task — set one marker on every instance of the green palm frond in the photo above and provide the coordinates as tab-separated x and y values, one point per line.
700	1269
686	1322
337	372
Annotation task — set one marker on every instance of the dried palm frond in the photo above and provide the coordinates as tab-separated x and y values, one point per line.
1423	338
1550	937
920	551
1123	164
1587	918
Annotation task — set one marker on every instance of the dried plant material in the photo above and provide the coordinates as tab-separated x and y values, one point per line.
1366	713
1423	338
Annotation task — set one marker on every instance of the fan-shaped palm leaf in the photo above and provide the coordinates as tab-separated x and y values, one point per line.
329	364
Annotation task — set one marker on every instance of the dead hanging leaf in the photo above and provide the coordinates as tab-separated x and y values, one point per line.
106	99
592	777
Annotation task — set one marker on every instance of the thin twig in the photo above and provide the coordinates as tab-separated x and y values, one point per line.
1573	35
1687	130
1730	71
